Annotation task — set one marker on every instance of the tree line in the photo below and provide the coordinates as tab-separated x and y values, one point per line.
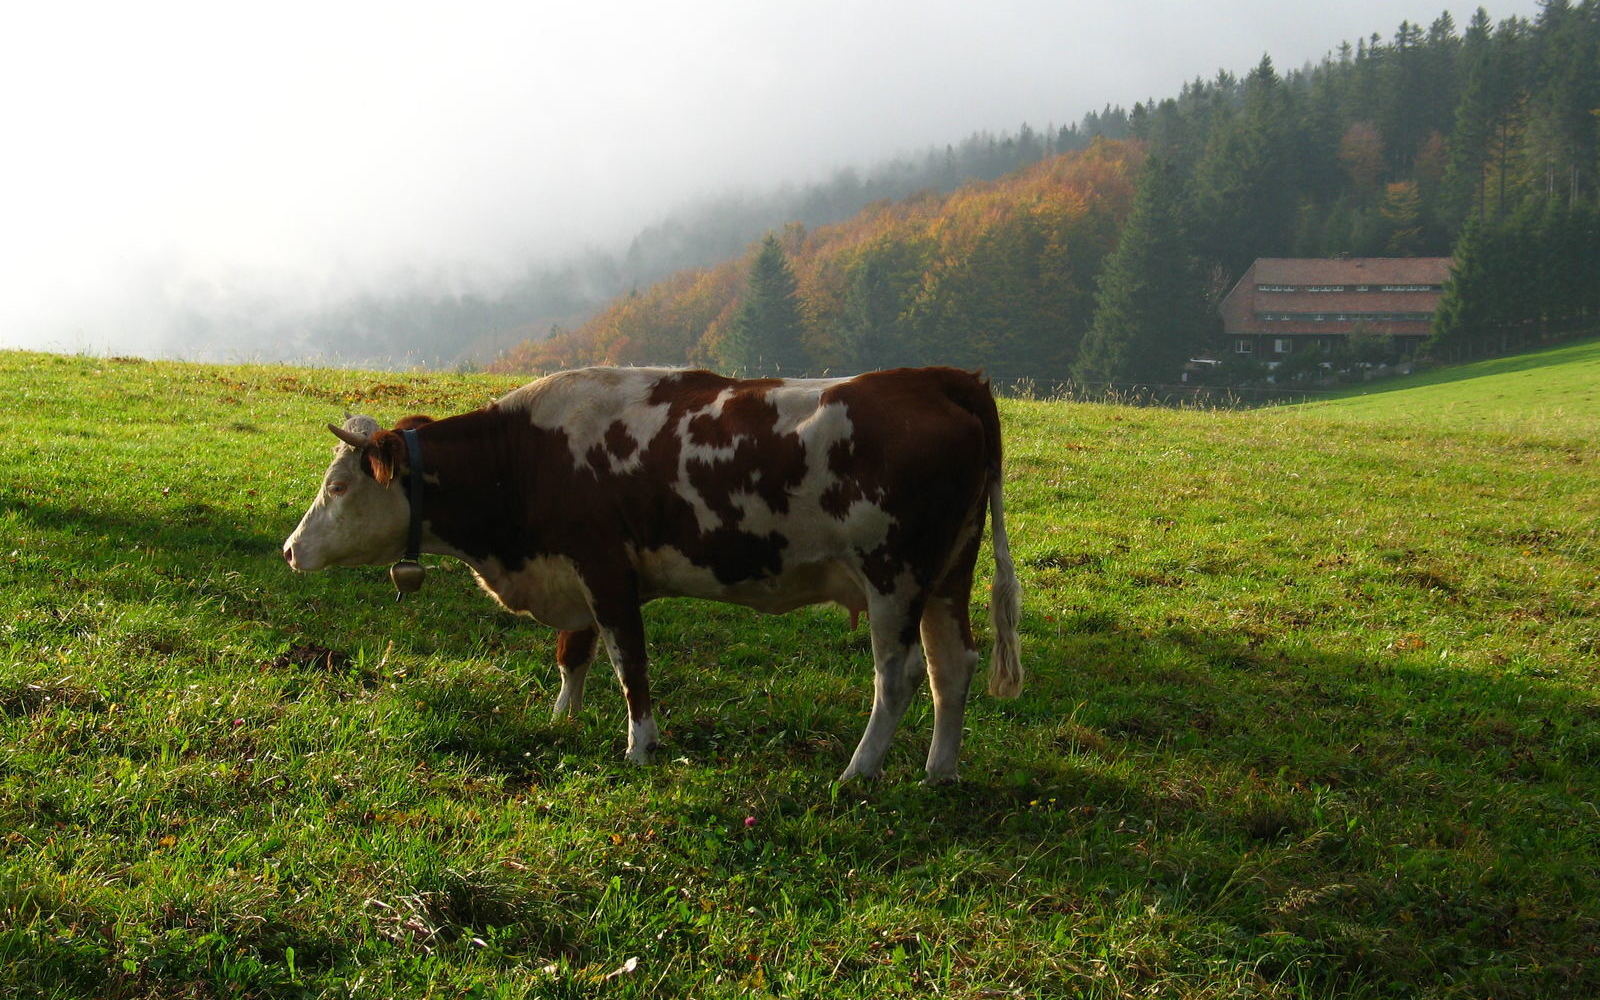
1105	263
1519	280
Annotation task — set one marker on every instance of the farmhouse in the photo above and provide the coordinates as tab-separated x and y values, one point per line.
1283	305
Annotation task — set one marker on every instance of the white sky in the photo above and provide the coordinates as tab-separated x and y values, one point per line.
155	153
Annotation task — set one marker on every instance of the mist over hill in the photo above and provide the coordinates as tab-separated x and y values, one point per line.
441	319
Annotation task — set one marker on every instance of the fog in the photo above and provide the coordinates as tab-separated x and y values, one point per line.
187	179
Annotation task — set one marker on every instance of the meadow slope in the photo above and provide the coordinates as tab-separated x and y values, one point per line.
1314	711
1558	387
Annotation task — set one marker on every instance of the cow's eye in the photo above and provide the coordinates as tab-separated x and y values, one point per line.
337	489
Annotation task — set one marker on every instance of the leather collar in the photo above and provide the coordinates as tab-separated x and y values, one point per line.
408	572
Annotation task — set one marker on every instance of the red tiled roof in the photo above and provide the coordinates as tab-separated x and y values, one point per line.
1244	306
1352	271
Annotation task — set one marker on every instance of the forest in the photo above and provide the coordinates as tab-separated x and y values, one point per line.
1105	263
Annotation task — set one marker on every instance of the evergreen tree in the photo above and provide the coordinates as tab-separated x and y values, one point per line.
1566	84
1585	237
1465	315
1476	111
1150	309
767	336
1403	109
1246	181
882	284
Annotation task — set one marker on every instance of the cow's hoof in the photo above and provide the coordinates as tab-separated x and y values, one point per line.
851	774
941	780
642	755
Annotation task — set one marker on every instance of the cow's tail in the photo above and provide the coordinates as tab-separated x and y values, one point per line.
1005	596
1005	603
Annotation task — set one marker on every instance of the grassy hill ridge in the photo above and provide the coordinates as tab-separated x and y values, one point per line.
1314	710
1558	385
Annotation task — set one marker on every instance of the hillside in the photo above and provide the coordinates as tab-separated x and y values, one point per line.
1313	710
1556	387
1478	143
988	276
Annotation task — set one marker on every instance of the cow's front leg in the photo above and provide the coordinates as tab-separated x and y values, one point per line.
621	628
895	651
574	651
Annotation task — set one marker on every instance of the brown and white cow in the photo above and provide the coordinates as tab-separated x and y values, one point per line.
580	496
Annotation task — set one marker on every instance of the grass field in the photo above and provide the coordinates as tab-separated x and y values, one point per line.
1554	388
1314	711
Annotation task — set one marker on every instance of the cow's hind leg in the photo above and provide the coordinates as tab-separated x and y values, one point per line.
952	657
895	652
947	642
574	651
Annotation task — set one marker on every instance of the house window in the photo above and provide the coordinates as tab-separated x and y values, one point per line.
1282	345
1243	346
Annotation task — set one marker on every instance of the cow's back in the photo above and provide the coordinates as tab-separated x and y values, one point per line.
761	491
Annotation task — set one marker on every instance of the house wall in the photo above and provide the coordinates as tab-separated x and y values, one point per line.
1280	306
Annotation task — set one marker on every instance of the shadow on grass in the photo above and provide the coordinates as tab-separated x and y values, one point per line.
191	527
1299	718
1400	815
200	554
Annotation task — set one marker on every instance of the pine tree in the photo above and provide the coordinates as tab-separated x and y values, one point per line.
767	336
1246	181
1465	315
1566	86
1475	114
882	283
1402	110
1150	308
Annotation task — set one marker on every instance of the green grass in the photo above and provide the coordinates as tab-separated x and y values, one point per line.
1314	711
1554	388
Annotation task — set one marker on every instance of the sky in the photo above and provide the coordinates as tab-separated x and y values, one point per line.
162	154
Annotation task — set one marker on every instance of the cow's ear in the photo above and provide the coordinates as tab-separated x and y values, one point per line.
385	456
412	423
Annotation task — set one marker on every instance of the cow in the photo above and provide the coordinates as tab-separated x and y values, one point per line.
582	495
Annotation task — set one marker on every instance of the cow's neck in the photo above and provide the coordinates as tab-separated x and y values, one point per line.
468	486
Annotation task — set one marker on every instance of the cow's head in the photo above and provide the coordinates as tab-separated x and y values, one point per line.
360	515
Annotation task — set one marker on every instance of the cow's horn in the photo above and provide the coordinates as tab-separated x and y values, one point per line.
349	437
